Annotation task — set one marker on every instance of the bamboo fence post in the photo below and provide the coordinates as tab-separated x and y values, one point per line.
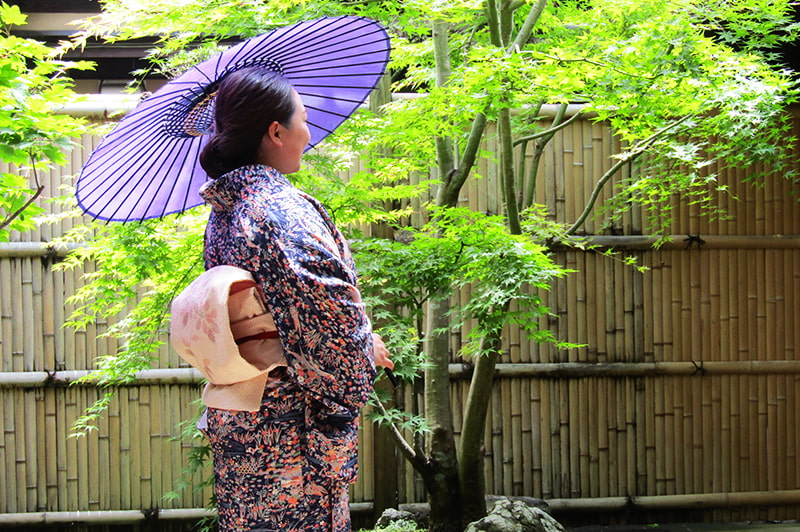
6	488
559	196
148	434
6	317
604	489
588	420
505	437
540	432
791	354
621	342
569	327
515	440
498	445
98	482
82	472
527	421
128	454
600	278
575	422
659	441
632	404
46	426
547	434
608	312
594	408
31	448
20	467
574	179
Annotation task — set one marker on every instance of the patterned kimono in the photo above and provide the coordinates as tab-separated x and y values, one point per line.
288	466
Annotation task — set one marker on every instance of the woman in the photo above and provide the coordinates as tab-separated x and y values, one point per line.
288	465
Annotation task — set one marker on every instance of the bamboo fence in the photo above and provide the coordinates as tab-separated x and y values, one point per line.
682	403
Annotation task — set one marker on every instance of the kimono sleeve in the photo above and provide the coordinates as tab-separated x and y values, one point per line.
312	294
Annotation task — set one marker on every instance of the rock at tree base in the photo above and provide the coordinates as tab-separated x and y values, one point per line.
515	516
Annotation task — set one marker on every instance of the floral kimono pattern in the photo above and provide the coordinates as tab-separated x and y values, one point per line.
287	467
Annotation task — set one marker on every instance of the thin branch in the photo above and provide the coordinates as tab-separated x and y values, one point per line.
546	137
39	190
637	150
527	26
549	131
591	62
413	454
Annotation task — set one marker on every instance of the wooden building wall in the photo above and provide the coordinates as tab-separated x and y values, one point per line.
683	404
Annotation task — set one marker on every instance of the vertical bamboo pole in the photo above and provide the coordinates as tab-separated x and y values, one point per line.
567	324
683	450
610	314
104	462
504	472
565	449
548	433
602	289
17	319
612	478
20	469
48	481
514	438
6	490
96	478
6	316
528	420
149	429
604	489
633	405
578	441
622	345
661	445
585	420
70	494
32	446
540	443
128	456
84	396
497	441
590	474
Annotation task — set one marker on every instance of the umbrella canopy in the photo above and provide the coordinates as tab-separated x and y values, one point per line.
148	167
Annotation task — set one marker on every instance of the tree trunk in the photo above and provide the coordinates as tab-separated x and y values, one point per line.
441	479
471	444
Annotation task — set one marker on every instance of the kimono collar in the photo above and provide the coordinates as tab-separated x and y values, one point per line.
223	192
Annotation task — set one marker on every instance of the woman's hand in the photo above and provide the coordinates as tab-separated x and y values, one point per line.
381	353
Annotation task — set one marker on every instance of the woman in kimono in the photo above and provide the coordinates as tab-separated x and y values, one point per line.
288	465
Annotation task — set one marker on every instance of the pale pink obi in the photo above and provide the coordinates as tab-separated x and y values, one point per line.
221	326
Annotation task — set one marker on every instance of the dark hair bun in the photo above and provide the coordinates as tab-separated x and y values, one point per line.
246	103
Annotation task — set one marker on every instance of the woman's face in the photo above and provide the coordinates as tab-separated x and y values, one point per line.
282	147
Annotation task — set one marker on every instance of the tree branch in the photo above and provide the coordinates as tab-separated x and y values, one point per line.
448	195
550	131
413	454
530	22
637	150
546	137
445	158
39	190
595	63
493	19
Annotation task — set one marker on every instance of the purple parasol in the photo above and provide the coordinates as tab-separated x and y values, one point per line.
147	167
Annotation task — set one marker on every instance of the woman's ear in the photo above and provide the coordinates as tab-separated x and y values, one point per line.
271	143
273	133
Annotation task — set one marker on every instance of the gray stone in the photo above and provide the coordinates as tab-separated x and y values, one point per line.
533	502
516	516
391	516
